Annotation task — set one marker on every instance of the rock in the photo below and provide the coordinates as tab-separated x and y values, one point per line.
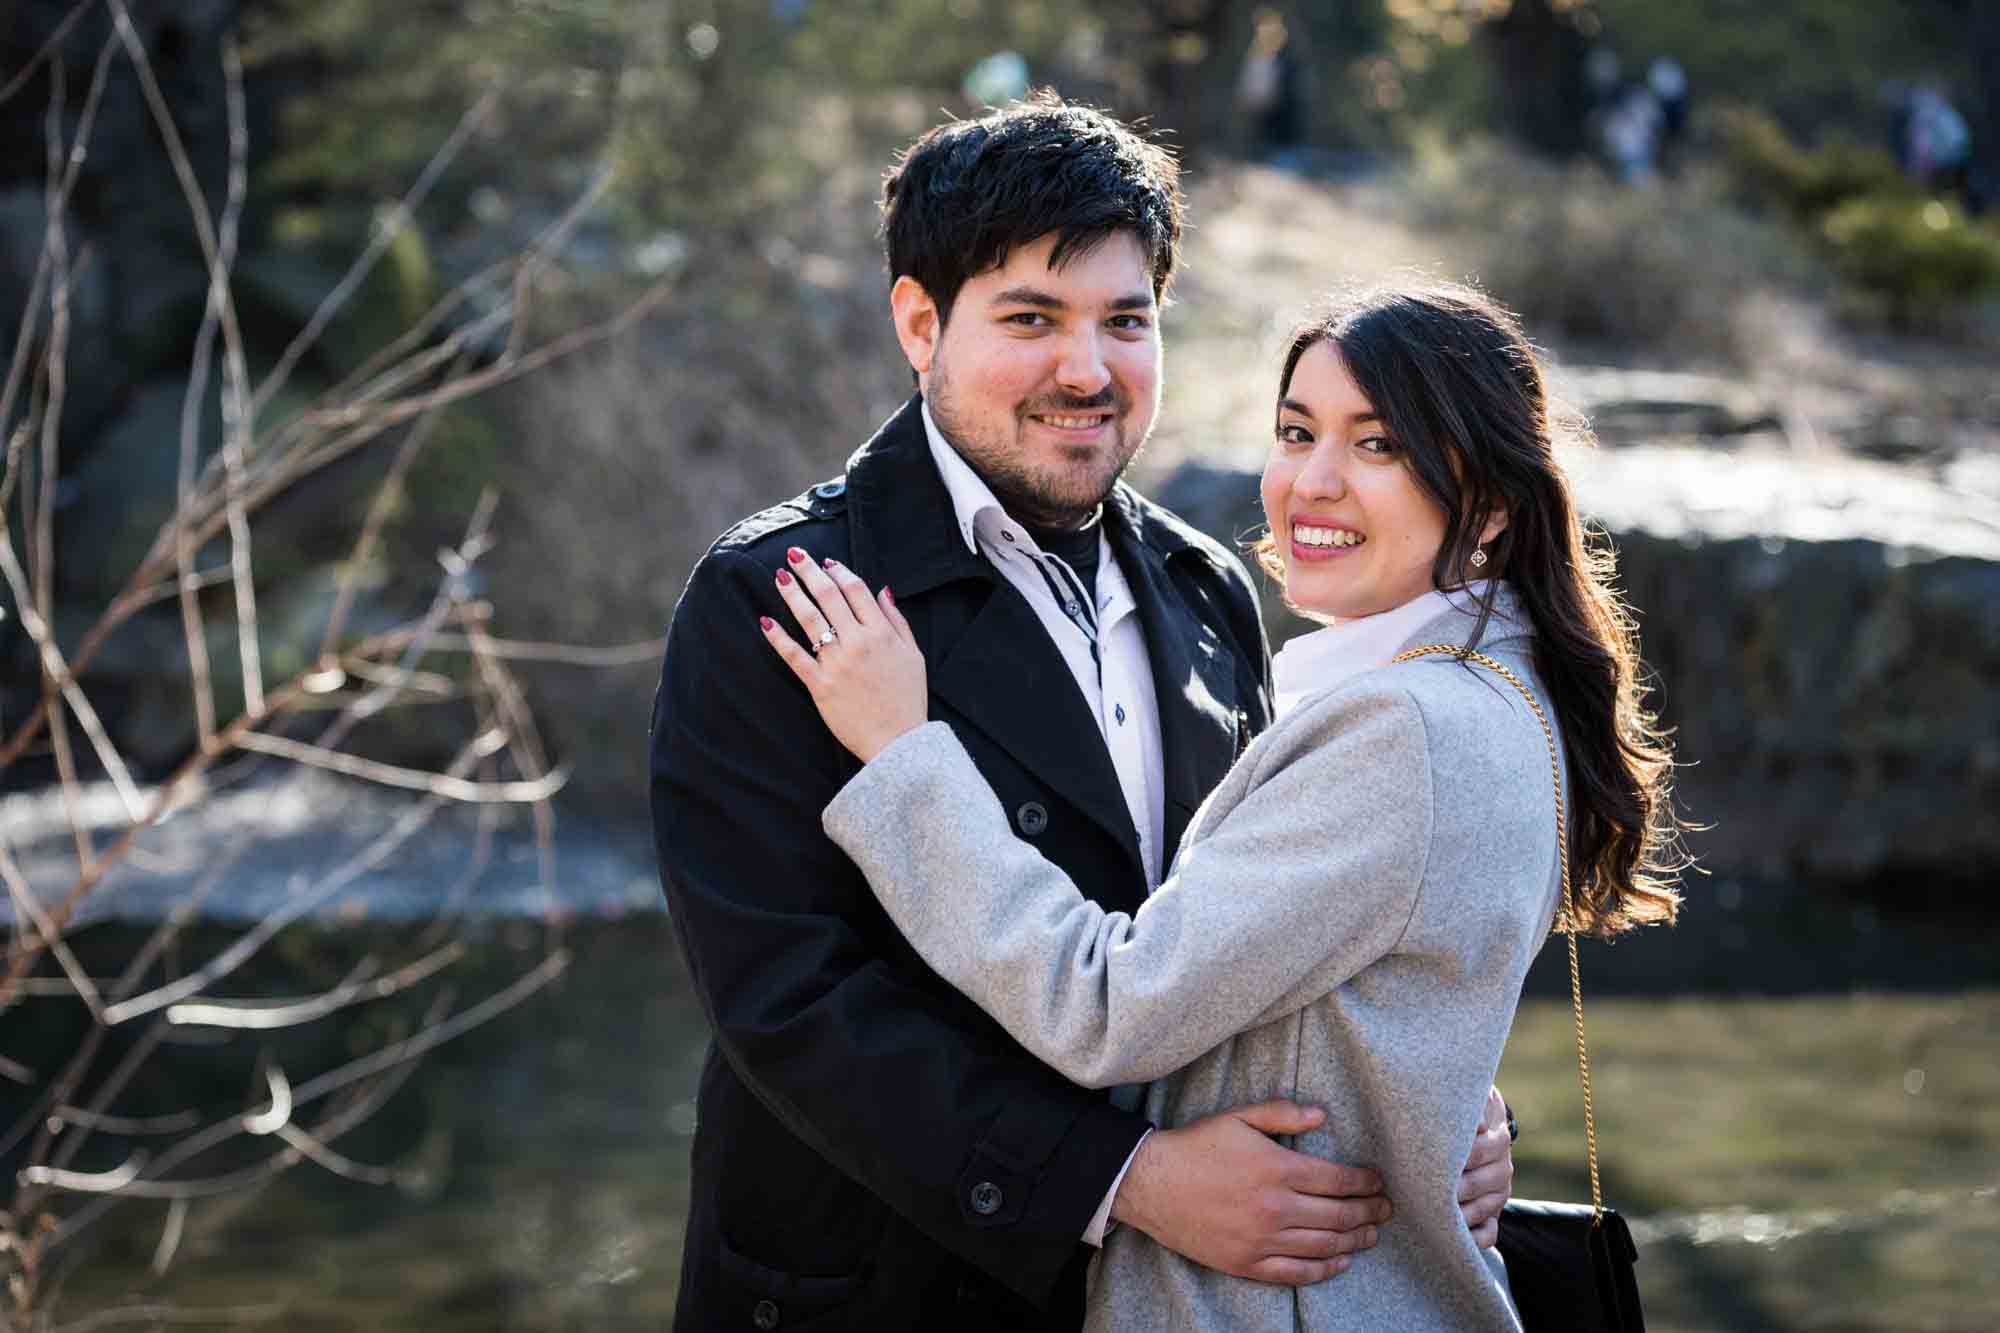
1626	404
1826	636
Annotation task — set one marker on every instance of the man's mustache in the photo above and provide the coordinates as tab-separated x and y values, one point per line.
1106	397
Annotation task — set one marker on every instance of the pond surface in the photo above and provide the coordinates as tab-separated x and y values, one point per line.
1799	1101
1800	1162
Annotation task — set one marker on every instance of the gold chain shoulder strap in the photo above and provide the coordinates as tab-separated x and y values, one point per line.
1568	924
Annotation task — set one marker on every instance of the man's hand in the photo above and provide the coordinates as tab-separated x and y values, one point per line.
1489	1174
1220	1192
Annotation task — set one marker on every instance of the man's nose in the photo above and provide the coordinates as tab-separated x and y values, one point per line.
1082	370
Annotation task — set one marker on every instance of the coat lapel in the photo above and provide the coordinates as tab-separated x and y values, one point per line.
1004	676
1194	676
989	657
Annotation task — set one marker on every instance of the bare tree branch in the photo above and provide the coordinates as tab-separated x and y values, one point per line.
521	650
119	1124
51	934
47	48
266	1014
172	1314
386	231
237	412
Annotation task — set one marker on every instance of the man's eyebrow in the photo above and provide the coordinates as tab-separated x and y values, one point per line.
1035	296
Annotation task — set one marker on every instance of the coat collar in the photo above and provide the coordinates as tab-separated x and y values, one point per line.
1508	631
904	532
901	522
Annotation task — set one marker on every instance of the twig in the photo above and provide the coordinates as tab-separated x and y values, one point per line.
233	957
453	902
279	1113
321	1155
386	232
31	312
410	779
392	1057
526	746
267	1014
170	1235
42	53
51	935
237	412
223	310
521	650
431	1038
54	669
386	495
259	492
429	683
119	1124
172	1314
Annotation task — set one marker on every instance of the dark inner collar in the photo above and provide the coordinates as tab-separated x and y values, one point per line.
1077	547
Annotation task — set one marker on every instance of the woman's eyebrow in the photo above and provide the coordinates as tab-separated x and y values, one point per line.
1298	408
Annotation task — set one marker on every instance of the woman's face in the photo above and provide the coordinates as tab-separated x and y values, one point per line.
1357	533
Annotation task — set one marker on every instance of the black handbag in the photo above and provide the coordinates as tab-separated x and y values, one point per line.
1569	1265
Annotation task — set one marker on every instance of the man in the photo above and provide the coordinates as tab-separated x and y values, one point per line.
873	1152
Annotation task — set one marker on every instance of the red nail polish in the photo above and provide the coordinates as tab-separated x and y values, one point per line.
888	594
795	555
784	578
829	562
768	623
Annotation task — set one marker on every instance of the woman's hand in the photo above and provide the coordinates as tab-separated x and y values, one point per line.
864	670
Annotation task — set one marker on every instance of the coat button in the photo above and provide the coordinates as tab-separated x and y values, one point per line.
829	490
765	1316
1031	819
986	1198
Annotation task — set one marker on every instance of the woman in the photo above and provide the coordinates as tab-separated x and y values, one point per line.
1353	910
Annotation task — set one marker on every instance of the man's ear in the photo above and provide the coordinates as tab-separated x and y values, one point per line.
918	327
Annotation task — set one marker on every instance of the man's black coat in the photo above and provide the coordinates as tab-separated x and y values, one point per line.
873	1151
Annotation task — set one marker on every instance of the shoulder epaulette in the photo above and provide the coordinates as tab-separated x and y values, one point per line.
824	501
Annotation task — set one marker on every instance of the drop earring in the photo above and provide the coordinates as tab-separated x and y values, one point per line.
1478	559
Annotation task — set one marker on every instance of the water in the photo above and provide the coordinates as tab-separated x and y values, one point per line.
1799	1101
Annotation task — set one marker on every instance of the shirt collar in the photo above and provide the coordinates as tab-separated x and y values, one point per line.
1316	662
974	506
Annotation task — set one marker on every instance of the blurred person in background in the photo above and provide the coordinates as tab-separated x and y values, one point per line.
1270	92
1668	82
1352	913
872	1149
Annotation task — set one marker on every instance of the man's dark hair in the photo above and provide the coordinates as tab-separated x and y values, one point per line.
963	196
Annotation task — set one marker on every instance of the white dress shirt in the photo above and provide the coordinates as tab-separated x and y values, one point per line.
1116	679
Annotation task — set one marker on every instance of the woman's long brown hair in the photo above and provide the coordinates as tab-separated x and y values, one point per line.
1460	389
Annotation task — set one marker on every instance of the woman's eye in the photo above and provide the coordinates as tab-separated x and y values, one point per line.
1380	445
1294	435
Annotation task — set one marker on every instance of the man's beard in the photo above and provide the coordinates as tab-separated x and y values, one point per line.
1063	495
